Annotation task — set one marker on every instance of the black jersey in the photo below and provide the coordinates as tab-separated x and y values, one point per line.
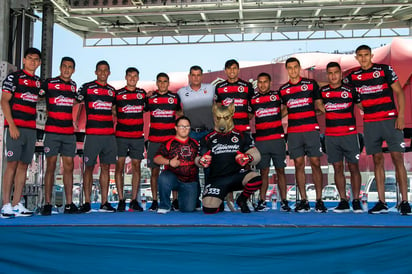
223	148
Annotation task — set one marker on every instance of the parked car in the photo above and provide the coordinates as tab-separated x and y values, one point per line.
310	192
330	192
390	189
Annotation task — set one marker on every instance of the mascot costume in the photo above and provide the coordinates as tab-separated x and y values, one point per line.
228	153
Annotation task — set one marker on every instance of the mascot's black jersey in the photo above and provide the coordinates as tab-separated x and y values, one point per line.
223	148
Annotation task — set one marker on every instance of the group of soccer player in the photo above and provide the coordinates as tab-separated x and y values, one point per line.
371	87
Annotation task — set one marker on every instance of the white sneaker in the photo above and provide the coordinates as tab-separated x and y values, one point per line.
20	211
7	211
163	211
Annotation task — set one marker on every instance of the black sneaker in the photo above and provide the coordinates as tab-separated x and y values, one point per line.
241	201
302	206
121	206
356	206
342	207
405	208
134	206
46	210
380	207
107	207
320	207
175	205
284	206
154	206
261	206
71	209
85	208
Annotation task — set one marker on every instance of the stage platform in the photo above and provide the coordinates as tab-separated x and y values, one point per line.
259	242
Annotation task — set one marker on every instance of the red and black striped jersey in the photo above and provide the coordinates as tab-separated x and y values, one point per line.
186	152
239	92
299	99
339	105
162	110
25	89
268	117
130	106
60	97
375	91
98	101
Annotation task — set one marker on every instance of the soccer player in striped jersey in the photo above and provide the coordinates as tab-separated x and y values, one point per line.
383	121
341	138
267	109
163	106
61	95
130	103
21	90
303	131
99	98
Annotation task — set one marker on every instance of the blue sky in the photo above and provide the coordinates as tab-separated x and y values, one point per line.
151	60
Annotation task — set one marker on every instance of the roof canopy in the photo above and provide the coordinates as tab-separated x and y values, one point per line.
153	22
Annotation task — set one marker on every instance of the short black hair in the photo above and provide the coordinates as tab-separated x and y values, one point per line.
230	63
264	74
290	60
162	74
333	65
363	47
182	118
195	68
132	69
68	59
102	62
32	51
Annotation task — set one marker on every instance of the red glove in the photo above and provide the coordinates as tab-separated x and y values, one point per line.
243	158
206	159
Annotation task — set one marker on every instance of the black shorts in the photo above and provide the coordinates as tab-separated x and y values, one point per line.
134	146
220	187
377	132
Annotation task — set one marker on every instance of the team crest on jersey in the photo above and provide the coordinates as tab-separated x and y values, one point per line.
376	74
124	97
10	153
171	101
241	89
288	91
344	95
46	149
272	98
185	151
96	91
139	96
304	87
234	139
110	93
327	94
73	88
37	84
